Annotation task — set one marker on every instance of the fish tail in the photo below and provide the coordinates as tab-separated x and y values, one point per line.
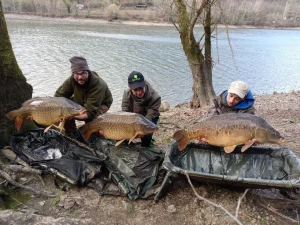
179	134
86	131
12	114
83	128
183	143
181	137
87	135
18	122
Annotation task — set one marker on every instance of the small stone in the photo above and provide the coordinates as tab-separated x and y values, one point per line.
23	179
127	206
42	203
164	107
172	209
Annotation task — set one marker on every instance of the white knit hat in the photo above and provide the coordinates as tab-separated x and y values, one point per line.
239	88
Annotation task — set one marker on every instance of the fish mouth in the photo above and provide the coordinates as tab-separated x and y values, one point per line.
82	112
280	141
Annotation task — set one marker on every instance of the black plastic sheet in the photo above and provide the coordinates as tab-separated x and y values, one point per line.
67	158
133	168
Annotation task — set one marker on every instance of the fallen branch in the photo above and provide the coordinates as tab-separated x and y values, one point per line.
212	203
10	180
239	203
23	169
279	214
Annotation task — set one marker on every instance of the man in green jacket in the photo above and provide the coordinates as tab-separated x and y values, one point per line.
86	88
141	98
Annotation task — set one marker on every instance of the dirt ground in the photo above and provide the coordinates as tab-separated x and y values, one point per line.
180	205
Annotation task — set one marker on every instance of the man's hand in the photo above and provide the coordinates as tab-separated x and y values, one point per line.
202	139
81	117
101	133
139	136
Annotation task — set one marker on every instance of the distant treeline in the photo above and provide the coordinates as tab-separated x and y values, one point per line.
276	13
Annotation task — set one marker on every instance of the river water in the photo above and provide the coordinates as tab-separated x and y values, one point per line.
268	60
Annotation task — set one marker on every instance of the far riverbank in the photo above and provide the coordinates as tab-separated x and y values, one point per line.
143	23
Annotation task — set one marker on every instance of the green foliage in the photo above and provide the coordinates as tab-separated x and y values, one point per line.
12	199
112	12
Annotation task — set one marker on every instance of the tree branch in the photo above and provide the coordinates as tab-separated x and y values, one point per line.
239	203
279	214
212	203
172	18
198	12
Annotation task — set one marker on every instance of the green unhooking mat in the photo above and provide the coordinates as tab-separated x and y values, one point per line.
258	167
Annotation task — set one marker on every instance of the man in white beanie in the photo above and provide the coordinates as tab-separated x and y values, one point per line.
237	99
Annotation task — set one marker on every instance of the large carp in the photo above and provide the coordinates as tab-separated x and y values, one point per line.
119	126
46	111
230	130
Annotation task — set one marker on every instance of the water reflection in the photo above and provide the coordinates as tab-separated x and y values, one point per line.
267	59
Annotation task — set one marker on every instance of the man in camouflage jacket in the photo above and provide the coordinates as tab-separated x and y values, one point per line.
141	98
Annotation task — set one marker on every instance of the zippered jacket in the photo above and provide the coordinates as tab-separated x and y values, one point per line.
91	95
220	105
147	106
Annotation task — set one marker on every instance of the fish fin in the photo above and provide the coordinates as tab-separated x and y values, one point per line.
248	144
18	122
47	128
131	139
82	112
229	149
119	142
179	134
62	124
12	114
183	143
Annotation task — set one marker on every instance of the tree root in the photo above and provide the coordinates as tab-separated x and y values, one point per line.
8	178
19	168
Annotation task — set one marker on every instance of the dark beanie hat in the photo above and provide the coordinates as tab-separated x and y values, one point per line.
136	80
78	63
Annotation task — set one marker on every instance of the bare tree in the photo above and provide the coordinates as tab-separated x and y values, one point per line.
198	52
14	89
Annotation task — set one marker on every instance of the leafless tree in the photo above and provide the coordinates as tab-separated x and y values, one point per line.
185	15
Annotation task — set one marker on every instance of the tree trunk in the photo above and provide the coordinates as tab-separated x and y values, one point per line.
14	89
202	85
200	65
